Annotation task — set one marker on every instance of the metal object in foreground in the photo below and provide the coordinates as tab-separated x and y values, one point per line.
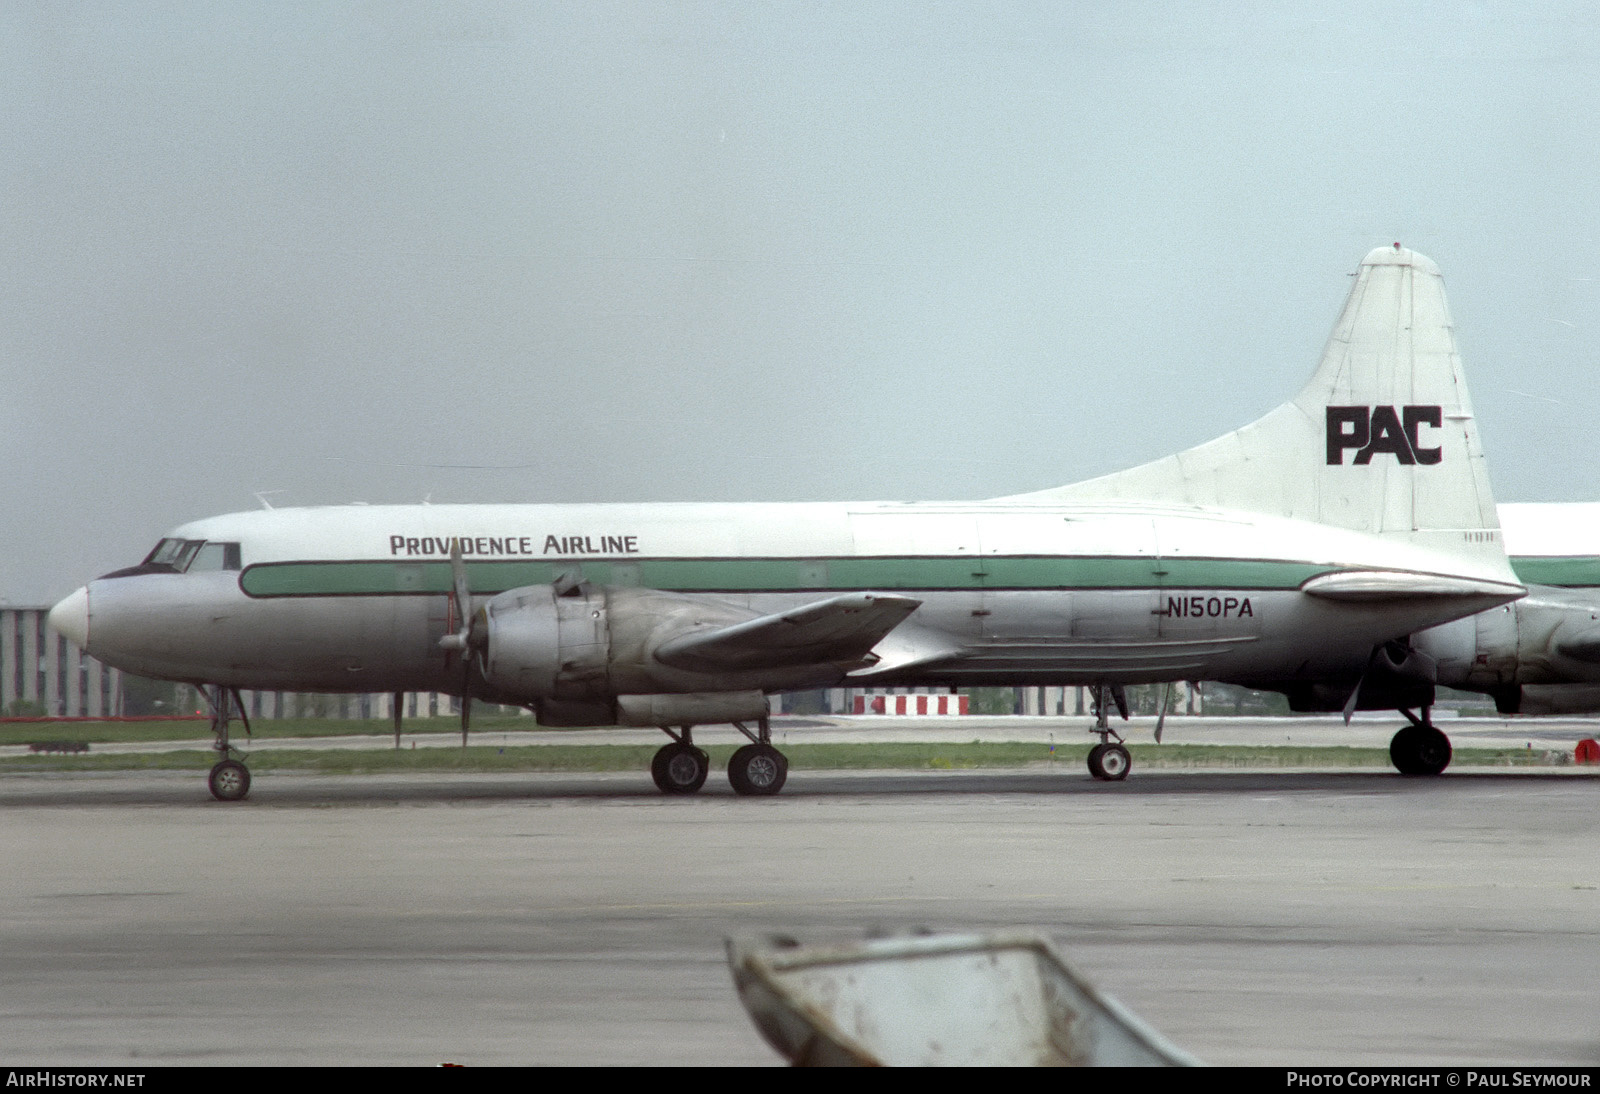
937	1000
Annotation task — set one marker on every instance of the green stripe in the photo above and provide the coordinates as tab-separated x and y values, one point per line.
781	574
1573	571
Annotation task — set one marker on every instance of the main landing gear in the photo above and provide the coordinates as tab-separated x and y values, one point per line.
680	768
1107	760
229	779
1419	748
755	770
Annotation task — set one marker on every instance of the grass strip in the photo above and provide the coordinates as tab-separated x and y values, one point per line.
802	757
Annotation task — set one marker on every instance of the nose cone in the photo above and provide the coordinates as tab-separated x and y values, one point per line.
70	618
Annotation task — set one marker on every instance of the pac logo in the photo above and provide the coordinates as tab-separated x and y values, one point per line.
1375	429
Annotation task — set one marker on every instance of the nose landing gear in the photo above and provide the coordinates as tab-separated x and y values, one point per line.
229	779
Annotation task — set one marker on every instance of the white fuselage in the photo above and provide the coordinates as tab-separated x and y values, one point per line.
357	598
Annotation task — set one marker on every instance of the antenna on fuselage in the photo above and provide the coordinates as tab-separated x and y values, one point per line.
261	496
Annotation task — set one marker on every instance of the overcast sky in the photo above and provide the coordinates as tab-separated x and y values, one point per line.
562	252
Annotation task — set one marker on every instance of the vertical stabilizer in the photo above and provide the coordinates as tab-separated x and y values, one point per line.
1381	440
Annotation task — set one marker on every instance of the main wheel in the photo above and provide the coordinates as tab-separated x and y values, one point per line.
757	770
1109	762
1094	760
230	781
1420	750
679	768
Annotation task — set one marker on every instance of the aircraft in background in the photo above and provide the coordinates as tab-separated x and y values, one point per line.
1301	549
1540	655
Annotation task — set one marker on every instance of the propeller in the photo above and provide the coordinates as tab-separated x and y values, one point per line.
1350	703
470	641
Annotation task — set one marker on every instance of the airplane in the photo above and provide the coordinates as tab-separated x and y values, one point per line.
1303	548
1541	654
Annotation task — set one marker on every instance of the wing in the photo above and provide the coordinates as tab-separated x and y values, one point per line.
839	630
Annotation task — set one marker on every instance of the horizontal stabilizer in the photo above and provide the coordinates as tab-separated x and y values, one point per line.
839	630
1367	586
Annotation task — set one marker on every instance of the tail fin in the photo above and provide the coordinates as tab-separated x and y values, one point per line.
1381	440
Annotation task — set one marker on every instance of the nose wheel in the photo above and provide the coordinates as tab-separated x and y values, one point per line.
229	779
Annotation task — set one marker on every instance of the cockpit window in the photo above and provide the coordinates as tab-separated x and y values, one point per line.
215	556
191	556
174	554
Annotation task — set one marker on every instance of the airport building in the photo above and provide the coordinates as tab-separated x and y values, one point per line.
42	673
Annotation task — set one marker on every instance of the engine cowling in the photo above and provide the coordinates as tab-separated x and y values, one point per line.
583	654
1549	638
1549	699
540	645
1398	676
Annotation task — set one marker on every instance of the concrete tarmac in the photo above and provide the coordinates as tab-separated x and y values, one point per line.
1254	918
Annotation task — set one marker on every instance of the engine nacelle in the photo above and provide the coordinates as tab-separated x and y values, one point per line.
543	646
577	642
1551	637
1398	676
1548	699
583	654
688	709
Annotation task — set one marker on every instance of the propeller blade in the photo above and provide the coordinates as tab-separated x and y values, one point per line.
1350	703
458	579
1120	697
466	690
462	592
464	637
1161	720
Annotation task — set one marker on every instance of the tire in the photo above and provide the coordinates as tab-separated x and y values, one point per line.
1420	750
679	769
1094	761
1115	763
757	771
229	781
